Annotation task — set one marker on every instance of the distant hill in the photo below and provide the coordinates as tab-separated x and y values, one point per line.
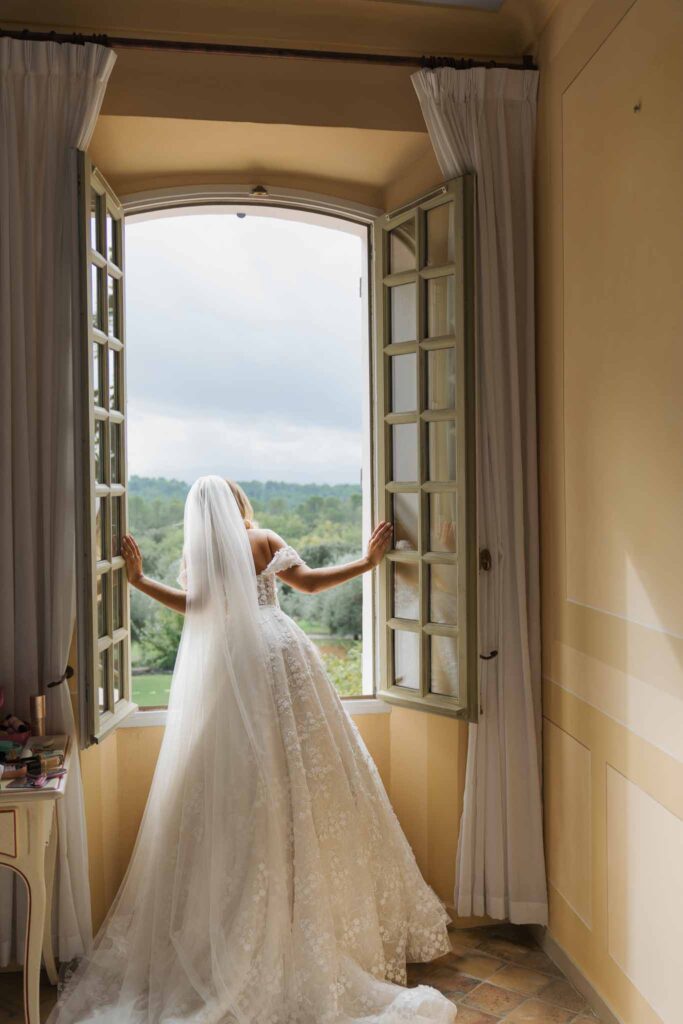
260	492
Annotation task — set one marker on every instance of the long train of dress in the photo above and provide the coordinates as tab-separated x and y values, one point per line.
358	905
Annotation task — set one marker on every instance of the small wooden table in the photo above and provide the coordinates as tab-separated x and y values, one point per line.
28	845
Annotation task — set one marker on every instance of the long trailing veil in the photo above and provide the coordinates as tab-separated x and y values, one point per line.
206	927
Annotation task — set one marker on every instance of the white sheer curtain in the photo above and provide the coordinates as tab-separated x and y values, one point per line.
483	121
50	96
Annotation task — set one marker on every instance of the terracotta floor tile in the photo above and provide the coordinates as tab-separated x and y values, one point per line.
535	1011
561	993
476	964
470	1015
519	979
493	1000
537	960
448	981
505	949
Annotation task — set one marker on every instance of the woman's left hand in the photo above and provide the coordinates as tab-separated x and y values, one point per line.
379	543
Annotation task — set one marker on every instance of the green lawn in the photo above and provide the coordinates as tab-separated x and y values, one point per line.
151	691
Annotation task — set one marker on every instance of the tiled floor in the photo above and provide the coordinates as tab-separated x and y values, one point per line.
493	974
499	974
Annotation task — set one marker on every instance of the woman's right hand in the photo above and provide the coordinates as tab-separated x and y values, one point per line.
133	558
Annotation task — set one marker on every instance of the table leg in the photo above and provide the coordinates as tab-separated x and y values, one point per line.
34	945
50	862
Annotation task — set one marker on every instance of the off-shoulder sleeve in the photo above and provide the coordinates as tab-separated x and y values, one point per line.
284	558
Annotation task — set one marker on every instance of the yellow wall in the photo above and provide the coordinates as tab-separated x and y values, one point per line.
610	365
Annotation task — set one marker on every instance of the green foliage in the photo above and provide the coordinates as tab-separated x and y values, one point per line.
346	672
323	522
159	638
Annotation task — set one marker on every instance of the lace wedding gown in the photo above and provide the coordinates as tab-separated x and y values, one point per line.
289	896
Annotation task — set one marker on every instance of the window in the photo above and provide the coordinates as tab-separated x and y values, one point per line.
419	617
103	602
425	447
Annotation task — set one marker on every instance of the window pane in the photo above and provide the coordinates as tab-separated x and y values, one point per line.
404	448
406	590
97	369
441	379
116	524
404	383
115	439
112	240
440	307
442	450
117	670
94	216
405	521
114	393
444	666
403	313
113	306
440	248
102	605
402	247
102	682
443	594
101	533
96	296
406	659
118	583
99	451
442	535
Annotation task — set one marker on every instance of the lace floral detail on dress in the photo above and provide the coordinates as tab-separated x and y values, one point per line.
284	558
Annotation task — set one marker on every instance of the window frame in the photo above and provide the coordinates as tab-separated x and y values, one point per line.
458	194
93	642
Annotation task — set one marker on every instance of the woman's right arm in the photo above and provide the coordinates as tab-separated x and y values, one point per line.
174	599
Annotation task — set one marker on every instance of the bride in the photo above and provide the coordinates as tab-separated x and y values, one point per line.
270	882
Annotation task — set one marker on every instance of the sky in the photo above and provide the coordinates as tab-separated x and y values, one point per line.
244	349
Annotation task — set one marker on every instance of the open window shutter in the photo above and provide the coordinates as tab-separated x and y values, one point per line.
104	678
423	284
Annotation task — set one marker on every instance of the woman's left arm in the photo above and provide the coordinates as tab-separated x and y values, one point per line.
312	581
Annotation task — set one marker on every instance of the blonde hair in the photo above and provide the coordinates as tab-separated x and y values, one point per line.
243	504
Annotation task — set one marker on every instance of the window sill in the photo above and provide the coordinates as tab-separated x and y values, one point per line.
353	707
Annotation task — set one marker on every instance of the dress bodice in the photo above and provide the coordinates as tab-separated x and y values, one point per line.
284	558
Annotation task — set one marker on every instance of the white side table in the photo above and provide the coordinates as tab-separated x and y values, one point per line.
28	845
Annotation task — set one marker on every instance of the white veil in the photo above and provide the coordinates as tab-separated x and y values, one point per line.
205	927
197	923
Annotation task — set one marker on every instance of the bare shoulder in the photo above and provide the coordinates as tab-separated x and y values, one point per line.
264	544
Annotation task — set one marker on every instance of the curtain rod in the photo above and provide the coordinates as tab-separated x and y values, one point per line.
396	60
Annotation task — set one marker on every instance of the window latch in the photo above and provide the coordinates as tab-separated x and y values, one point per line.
485	560
489	657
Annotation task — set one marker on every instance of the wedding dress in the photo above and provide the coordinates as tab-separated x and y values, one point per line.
270	882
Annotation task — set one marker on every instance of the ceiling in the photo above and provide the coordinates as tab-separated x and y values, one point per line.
141	153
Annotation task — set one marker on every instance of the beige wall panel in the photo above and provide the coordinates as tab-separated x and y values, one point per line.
428	758
623	316
102	796
645	894
568	813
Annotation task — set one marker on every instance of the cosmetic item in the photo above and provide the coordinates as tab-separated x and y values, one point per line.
37	705
12	771
40	764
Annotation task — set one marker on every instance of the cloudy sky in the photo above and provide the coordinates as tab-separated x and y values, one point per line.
244	349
